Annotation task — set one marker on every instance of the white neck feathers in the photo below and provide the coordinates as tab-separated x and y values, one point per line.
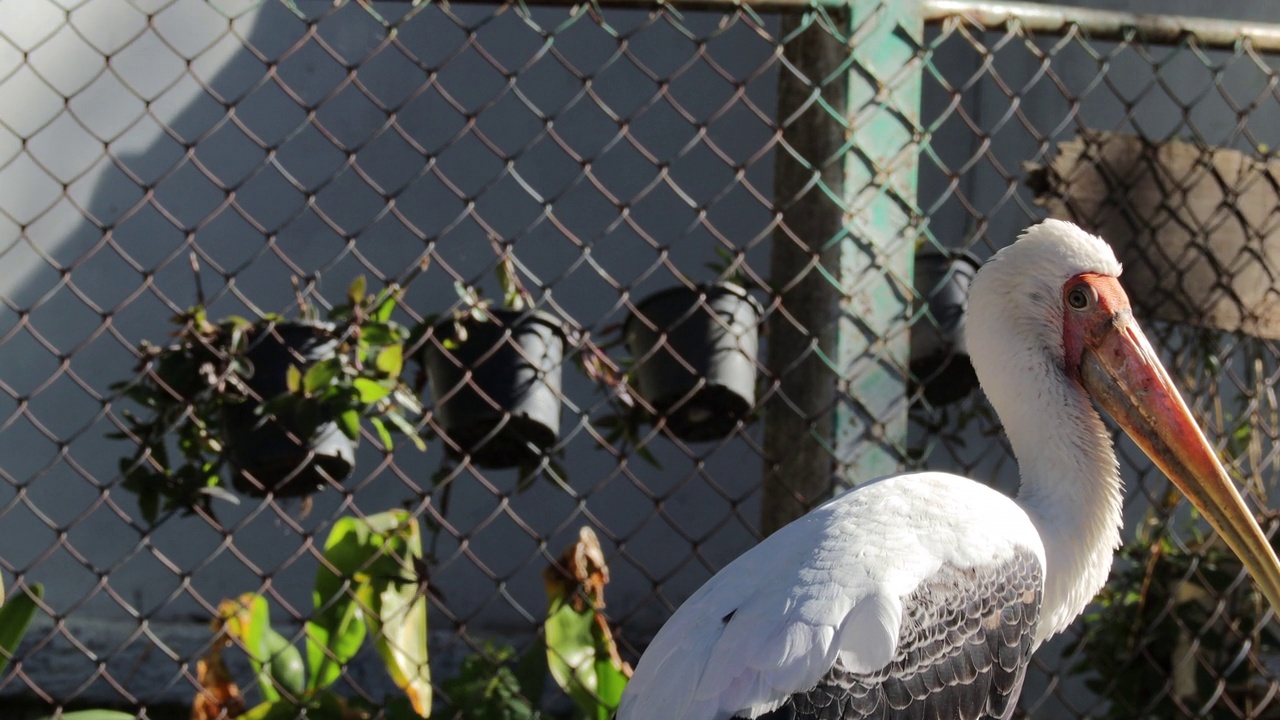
1070	479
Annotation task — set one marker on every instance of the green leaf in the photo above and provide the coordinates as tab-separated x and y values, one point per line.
355	552
526	475
355	293
293	379
285	669
647	455
320	375
384	435
332	640
611	684
323	707
375	334
271	710
467	294
573	662
512	296
385	305
407	428
15	616
391	360
397	616
149	503
349	422
245	619
275	660
371	391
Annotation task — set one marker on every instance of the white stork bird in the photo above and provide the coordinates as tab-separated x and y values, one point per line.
924	595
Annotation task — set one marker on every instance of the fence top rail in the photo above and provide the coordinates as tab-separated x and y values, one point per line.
1030	16
1106	24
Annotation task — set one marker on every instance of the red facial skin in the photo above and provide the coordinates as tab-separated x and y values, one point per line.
1087	327
1108	355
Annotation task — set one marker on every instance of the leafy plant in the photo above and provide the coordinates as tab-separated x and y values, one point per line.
581	653
492	685
15	616
475	307
625	418
731	266
577	650
1169	628
187	385
370	586
363	379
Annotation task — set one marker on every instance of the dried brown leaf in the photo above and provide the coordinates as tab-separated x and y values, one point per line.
219	697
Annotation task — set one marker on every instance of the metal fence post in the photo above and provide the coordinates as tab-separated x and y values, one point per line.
848	104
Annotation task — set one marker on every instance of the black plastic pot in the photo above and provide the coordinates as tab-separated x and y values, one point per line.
695	357
267	452
497	391
939	360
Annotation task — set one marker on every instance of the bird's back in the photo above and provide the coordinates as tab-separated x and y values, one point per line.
888	596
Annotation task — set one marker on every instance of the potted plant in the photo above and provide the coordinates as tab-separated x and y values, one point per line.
939	361
495	375
280	401
693	357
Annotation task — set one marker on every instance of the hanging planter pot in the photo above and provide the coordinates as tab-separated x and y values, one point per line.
695	352
939	360
281	403
496	383
275	451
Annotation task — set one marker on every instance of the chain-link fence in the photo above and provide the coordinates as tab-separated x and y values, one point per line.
556	187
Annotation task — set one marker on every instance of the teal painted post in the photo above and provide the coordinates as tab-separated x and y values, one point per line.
845	182
877	253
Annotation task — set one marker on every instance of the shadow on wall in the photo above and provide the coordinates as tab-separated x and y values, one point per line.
267	192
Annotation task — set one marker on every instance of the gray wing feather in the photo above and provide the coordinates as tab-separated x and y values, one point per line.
963	650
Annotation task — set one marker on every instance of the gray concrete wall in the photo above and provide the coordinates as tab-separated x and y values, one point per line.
76	298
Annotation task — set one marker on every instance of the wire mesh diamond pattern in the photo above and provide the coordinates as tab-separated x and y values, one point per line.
497	163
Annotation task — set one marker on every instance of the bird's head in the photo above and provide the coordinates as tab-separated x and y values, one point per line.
1049	310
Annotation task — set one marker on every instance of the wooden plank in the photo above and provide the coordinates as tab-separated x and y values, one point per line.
1197	228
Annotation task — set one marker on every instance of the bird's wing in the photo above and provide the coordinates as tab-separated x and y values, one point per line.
829	587
963	647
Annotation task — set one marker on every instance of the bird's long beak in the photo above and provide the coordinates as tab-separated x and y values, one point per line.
1126	379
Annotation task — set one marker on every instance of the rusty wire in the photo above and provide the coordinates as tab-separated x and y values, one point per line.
598	154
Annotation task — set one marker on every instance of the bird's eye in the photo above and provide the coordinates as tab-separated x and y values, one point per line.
1080	297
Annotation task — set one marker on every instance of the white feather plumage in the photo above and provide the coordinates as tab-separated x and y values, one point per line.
832	583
